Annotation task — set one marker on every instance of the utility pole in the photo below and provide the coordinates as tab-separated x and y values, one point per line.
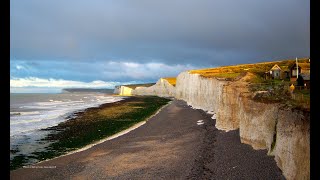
297	67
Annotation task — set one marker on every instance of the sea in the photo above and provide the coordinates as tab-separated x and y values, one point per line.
29	113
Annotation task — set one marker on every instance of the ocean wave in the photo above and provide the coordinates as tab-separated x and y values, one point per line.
46	116
24	113
56	103
53	112
26	121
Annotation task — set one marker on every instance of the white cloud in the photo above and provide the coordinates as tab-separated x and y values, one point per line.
131	65
58	83
19	67
34	90
142	71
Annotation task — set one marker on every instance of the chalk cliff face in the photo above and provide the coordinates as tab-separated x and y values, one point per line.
292	148
210	94
162	88
123	91
285	134
116	90
199	92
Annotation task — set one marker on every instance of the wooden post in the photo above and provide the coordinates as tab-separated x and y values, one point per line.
297	67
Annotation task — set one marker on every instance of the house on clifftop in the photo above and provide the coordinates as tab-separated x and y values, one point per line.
277	72
303	70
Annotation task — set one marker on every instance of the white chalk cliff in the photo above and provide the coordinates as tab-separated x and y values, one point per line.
283	132
162	88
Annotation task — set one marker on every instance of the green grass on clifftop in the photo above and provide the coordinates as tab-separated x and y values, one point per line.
171	80
236	70
274	90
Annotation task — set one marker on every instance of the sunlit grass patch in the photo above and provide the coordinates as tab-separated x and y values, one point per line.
171	80
234	71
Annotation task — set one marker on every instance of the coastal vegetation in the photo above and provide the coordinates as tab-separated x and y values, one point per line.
92	125
235	71
272	90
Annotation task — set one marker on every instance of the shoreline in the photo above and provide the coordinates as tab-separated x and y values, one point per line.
170	146
94	126
123	132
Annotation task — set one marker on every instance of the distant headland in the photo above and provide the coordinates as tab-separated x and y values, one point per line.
75	90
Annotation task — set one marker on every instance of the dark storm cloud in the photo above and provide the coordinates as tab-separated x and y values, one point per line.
196	32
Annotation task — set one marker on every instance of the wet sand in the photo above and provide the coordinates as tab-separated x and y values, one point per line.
169	146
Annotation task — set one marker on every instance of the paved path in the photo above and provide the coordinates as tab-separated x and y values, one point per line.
169	146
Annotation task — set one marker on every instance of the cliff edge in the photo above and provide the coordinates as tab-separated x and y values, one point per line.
284	132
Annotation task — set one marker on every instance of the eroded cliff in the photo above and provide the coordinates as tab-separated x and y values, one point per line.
283	132
162	88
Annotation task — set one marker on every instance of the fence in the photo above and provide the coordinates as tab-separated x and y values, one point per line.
300	87
301	99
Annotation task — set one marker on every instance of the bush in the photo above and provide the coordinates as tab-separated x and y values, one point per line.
300	81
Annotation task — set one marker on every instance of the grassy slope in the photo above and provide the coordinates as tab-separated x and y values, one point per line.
236	70
171	80
277	89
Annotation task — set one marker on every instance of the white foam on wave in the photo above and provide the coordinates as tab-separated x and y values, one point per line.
24	113
52	103
21	124
32	119
51	113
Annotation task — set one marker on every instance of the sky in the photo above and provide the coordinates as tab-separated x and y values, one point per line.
103	43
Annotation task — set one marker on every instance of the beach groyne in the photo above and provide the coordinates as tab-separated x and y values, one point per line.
284	132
